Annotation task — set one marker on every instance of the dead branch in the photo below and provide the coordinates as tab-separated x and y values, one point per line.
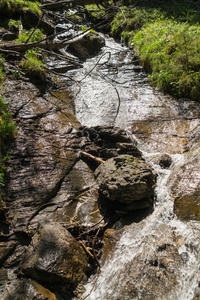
64	57
91	157
93	243
86	249
38	23
43	44
47	43
69	3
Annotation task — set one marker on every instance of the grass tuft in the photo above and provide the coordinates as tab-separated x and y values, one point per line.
33	66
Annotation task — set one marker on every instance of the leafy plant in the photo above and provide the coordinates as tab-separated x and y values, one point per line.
37	36
14	24
33	66
166	39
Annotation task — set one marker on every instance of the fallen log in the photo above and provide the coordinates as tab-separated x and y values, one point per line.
43	44
47	43
70	3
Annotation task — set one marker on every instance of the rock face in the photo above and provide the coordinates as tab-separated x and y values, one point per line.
126	179
54	256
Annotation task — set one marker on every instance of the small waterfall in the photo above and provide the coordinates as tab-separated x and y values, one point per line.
141	240
97	104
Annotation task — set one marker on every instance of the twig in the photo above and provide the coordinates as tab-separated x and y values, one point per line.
93	243
38	23
96	276
86	249
92	157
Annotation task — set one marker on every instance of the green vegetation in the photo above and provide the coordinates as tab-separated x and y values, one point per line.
7	132
14	24
16	6
166	40
37	36
170	51
33	66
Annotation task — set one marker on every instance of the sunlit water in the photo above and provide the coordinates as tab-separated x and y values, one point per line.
118	93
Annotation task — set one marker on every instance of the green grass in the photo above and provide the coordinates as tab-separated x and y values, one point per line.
170	52
37	36
166	40
33	66
7	133
15	6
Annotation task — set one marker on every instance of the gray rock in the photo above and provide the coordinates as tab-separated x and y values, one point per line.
126	179
54	256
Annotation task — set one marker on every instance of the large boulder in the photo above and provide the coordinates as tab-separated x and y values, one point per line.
126	179
54	256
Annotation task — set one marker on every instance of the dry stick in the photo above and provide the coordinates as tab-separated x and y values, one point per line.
38	23
9	51
61	3
91	157
86	249
96	276
63	18
58	45
93	247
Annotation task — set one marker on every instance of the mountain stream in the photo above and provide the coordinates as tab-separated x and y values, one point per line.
115	91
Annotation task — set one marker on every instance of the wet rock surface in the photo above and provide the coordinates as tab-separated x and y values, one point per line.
53	187
50	184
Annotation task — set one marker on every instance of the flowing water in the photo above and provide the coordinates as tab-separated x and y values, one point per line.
116	92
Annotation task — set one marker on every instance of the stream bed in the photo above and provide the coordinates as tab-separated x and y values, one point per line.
56	216
114	91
